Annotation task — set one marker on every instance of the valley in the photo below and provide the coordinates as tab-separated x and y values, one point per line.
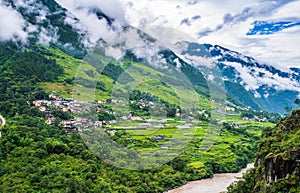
91	103
218	183
49	128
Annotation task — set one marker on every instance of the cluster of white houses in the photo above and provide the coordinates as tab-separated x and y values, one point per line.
256	119
68	105
80	123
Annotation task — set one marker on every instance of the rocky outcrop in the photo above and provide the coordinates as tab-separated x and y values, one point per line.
278	162
280	167
277	167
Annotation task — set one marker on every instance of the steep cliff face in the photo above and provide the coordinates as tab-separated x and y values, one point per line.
277	167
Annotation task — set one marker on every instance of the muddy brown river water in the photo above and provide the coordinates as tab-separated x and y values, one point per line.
218	183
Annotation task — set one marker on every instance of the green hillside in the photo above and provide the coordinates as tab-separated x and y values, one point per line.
40	157
277	164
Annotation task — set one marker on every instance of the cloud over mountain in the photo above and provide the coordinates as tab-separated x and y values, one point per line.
12	24
226	23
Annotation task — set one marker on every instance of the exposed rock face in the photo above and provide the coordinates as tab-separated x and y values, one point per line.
279	156
277	167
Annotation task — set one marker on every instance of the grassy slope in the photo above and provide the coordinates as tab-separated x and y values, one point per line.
222	155
72	66
146	79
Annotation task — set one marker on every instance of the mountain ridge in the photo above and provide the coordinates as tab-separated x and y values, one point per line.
267	84
269	88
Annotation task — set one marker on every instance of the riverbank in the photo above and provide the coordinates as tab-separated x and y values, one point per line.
218	183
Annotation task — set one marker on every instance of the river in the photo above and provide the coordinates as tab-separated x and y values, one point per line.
218	183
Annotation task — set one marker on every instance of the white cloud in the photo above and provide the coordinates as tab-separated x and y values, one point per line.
226	23
11	24
38	12
289	10
178	64
200	61
252	81
279	49
116	53
46	36
89	23
113	8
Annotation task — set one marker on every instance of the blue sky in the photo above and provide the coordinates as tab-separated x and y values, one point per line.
268	30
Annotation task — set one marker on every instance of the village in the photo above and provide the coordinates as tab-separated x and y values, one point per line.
68	105
79	123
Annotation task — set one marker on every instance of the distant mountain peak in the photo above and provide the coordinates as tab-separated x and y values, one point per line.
76	29
266	83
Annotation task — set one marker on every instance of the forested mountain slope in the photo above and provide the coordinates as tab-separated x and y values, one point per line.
277	167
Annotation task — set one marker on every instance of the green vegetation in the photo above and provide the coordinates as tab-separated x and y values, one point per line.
37	157
64	83
277	165
241	94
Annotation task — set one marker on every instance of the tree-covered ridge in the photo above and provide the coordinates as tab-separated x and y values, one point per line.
20	71
37	157
28	64
277	167
32	65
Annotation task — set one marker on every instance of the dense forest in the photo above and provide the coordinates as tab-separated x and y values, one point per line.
277	166
37	157
41	152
